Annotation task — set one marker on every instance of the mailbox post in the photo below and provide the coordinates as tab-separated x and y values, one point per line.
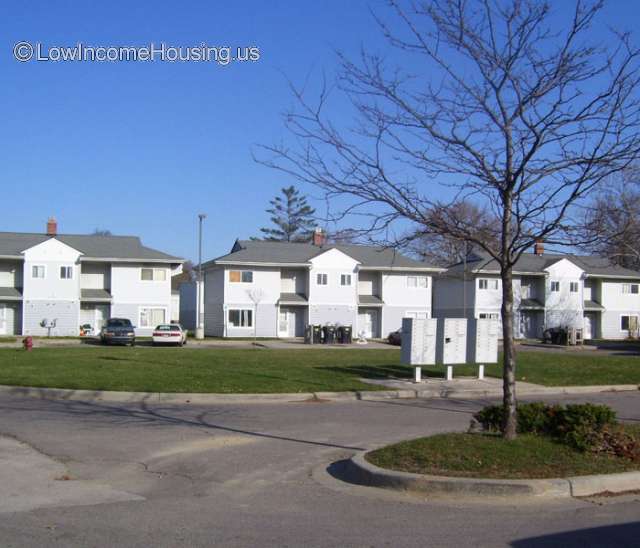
482	344
451	343
418	344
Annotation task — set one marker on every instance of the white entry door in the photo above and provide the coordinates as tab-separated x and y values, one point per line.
589	326
367	322
3	319
284	320
102	315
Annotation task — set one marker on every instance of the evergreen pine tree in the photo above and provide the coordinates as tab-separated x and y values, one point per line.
292	217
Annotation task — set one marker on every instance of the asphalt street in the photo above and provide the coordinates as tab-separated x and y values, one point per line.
98	474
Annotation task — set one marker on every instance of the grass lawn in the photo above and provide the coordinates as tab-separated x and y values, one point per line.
490	456
260	370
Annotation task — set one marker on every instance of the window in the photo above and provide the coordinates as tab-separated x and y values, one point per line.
153	274
241	276
151	317
488	316
628	323
37	271
417	281
66	272
555	286
321	279
484	283
241	318
630	288
573	287
345	279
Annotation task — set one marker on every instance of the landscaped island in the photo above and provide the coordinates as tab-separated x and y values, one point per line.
555	442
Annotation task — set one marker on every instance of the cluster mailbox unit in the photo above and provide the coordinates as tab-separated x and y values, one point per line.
449	341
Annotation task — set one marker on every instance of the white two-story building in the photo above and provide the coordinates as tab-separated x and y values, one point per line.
53	283
550	290
278	288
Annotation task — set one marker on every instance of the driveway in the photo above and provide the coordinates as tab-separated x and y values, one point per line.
256	475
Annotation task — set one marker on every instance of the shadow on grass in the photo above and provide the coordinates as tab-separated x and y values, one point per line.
371	371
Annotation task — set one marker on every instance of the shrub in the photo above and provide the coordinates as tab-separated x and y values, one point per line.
576	424
616	441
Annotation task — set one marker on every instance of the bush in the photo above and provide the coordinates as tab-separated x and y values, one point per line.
576	425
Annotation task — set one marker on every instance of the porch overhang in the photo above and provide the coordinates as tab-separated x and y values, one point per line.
531	304
293	299
370	300
593	306
10	294
95	296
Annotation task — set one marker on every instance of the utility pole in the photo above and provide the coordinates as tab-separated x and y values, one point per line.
199	288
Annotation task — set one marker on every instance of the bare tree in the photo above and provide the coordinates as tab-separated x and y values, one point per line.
612	221
494	102
257	296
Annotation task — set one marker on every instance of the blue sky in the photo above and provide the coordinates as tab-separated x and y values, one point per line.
141	148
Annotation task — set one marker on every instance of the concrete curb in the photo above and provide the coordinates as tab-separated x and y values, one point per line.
362	395
364	473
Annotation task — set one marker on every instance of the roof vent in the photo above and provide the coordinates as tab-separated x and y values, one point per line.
52	227
319	237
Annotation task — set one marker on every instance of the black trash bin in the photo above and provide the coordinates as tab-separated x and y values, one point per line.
339	334
329	334
347	334
317	334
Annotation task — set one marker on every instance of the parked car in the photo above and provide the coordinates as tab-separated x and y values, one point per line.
118	331
169	333
395	337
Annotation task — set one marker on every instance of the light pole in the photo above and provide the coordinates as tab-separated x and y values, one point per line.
199	288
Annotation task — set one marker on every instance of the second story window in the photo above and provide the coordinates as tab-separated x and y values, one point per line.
417	281
322	279
486	283
345	279
241	276
66	272
153	274
630	288
573	287
37	271
555	286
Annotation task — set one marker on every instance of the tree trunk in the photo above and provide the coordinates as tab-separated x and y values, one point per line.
509	356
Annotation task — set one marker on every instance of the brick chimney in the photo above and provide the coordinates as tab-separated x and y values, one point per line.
52	227
538	248
319	237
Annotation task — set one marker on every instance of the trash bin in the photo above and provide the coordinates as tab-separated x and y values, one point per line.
339	334
317	334
308	334
329	334
347	334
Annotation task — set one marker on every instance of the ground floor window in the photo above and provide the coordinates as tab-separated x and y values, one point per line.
241	317
628	323
151	317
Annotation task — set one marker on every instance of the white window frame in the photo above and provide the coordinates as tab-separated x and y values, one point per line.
417	282
490	284
345	278
572	285
322	276
628	289
44	271
629	316
244	313
556	284
151	325
66	268
154	274
242	276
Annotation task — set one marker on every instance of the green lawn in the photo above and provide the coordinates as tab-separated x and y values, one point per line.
490	456
225	370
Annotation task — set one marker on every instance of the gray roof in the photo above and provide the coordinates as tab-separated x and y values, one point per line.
536	264
592	305
95	295
293	298
11	293
290	253
97	247
370	300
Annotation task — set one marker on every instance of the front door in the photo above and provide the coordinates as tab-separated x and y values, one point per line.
102	314
589	326
367	321
3	319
